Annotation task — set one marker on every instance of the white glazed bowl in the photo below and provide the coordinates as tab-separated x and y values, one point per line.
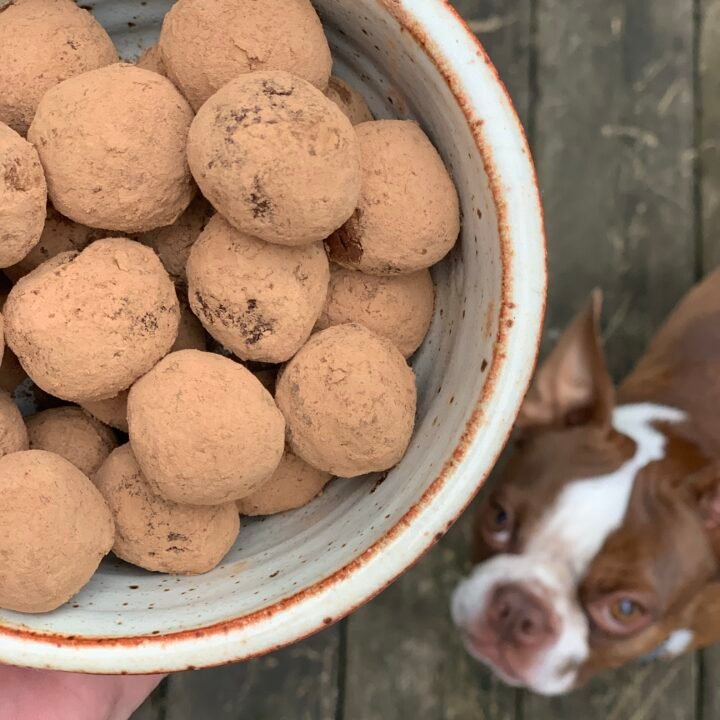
292	574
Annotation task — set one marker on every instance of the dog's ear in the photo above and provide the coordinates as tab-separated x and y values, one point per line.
573	385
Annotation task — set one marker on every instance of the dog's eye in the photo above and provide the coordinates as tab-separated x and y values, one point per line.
620	614
497	525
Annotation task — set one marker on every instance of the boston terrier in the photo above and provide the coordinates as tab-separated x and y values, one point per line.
601	543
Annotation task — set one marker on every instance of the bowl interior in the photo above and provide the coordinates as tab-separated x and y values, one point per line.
277	557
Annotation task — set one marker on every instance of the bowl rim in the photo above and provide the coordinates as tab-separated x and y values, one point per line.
521	316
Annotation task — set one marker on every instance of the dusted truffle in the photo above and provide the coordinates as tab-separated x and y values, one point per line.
276	158
203	429
127	128
73	434
349	100
57	529
408	216
259	300
399	308
13	433
157	534
174	242
205	44
60	234
112	412
151	59
42	43
349	401
293	484
191	335
87	326
23	197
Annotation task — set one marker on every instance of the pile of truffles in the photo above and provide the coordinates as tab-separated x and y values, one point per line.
217	266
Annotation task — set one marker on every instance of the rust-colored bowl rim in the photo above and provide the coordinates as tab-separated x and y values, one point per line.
520	324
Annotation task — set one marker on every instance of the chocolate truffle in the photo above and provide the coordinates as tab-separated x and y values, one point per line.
174	242
57	529
151	59
87	326
112	412
60	234
23	197
293	484
13	433
191	335
408	216
349	401
203	429
258	299
42	43
276	158
399	308
157	534
205	44
127	128
349	100
73	434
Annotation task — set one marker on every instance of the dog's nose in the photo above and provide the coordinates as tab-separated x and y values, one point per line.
519	617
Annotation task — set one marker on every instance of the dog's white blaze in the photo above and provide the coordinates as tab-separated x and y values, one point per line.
564	544
587	511
677	643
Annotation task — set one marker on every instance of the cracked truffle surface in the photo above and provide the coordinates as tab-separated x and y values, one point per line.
23	197
408	215
42	43
73	434
258	299
127	128
276	158
292	485
203	429
52	514
157	534
87	326
398	308
207	43
349	401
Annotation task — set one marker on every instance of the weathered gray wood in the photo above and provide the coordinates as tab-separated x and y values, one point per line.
297	683
709	232
613	143
404	659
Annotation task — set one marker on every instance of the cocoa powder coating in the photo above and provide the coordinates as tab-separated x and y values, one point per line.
42	43
292	485
13	432
349	401
87	326
207	43
127	128
399	307
349	100
276	158
157	534
258	299
57	530
151	59
23	197
112	412
408	215
73	434
203	429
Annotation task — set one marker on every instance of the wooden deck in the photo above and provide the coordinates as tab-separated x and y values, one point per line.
621	99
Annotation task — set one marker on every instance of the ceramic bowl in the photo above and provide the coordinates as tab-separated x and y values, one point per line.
293	574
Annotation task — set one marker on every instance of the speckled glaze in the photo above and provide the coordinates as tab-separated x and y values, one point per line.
290	575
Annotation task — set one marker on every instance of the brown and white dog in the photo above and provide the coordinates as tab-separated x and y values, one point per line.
601	543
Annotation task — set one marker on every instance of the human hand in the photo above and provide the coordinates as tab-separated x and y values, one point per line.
46	695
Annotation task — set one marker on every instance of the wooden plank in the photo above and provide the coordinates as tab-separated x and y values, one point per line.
613	143
708	141
297	683
404	659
